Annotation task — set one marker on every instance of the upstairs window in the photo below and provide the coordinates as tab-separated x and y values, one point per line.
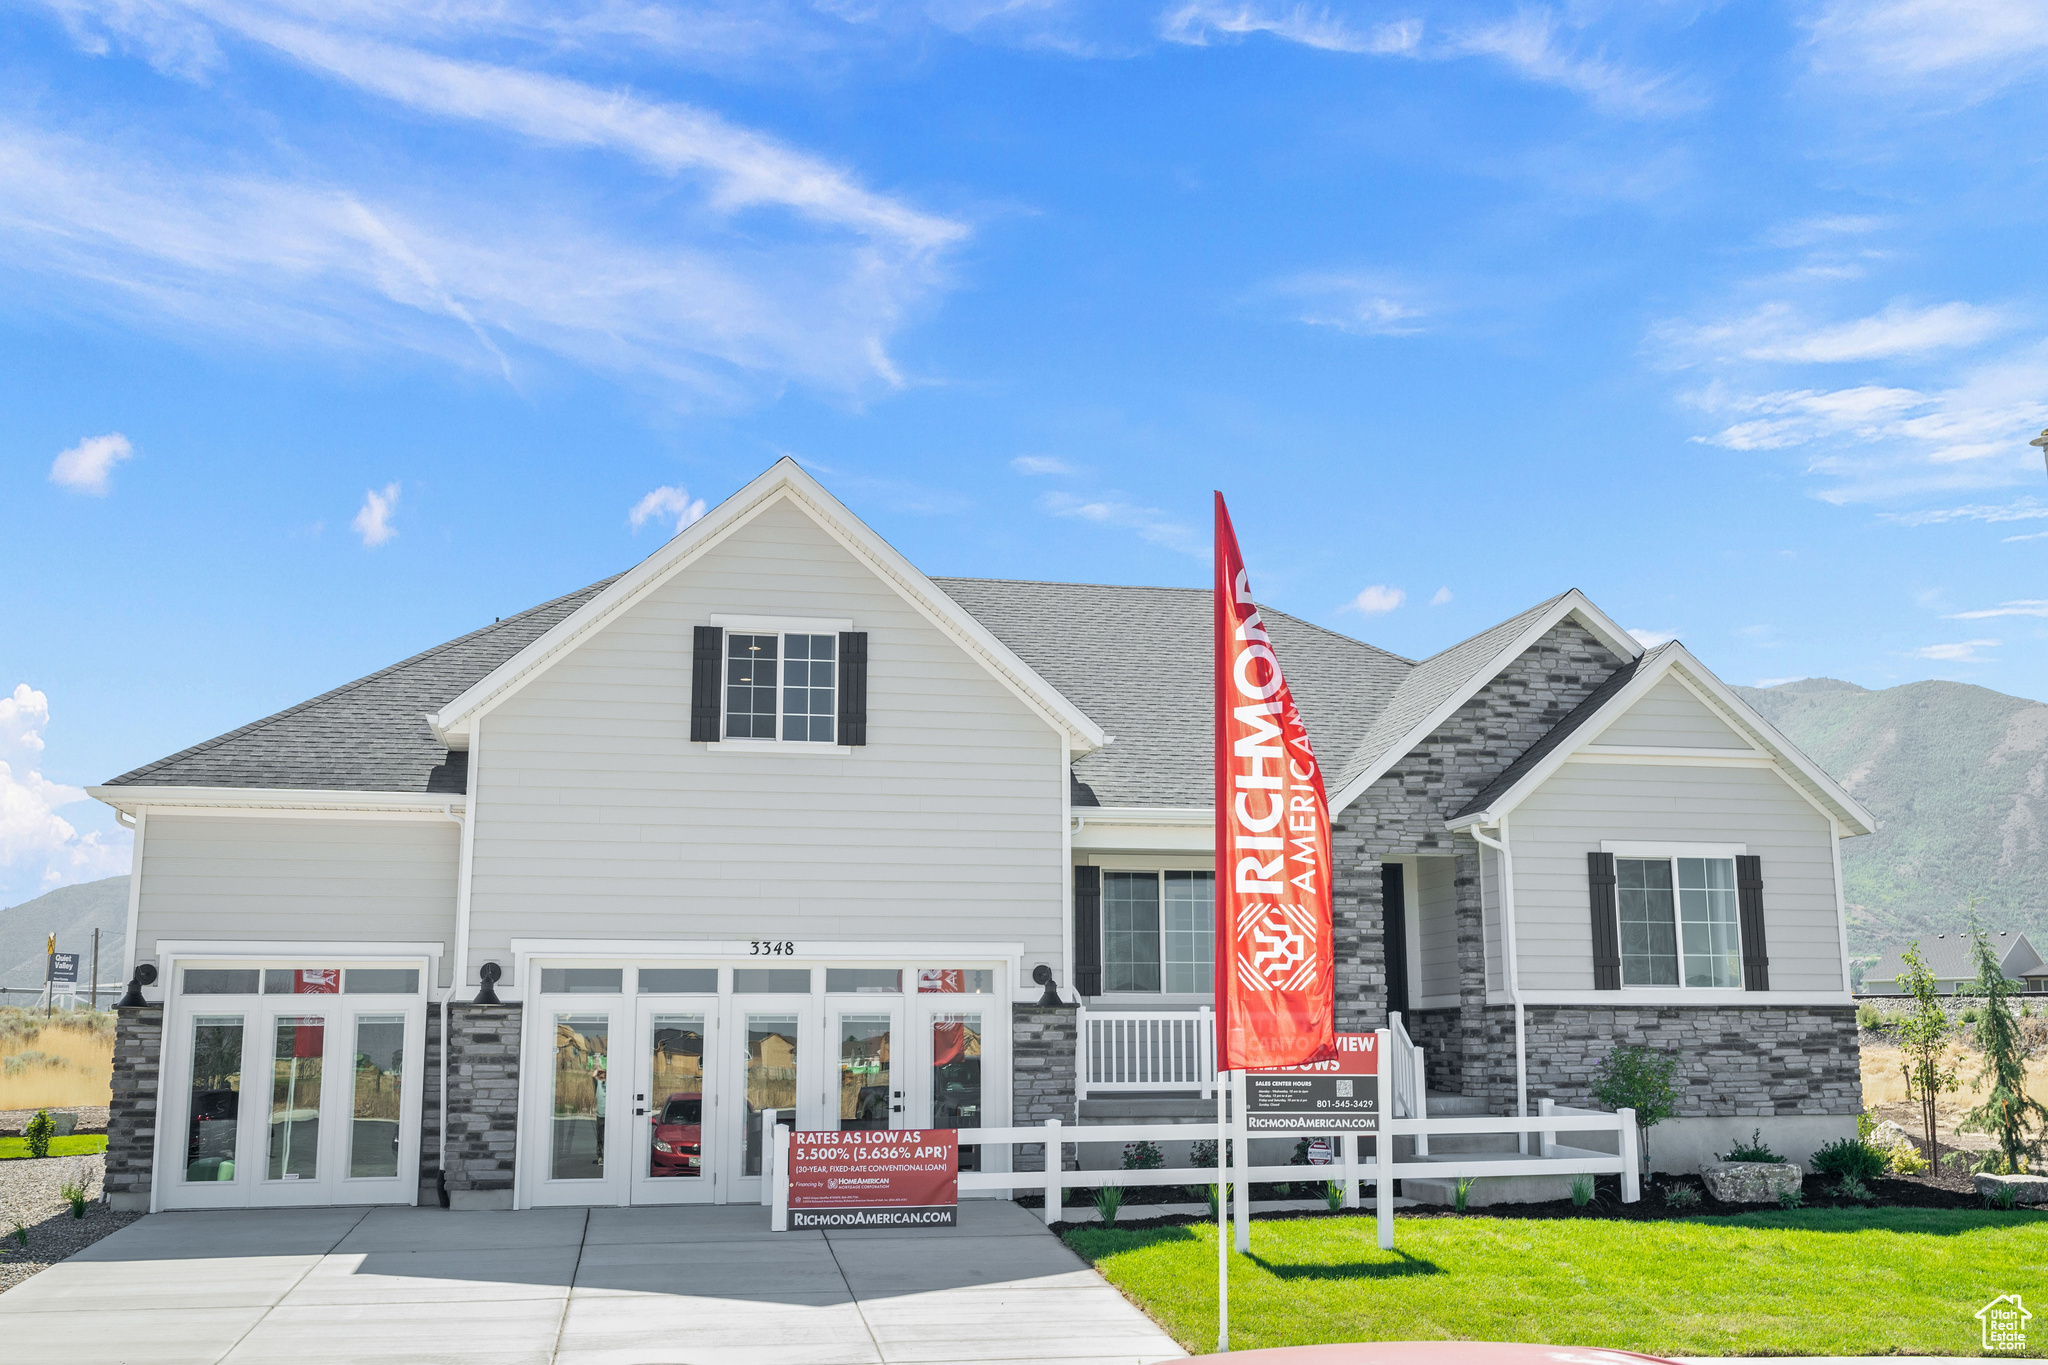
1679	921
781	686
1158	932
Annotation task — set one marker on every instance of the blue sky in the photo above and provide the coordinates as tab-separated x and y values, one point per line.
328	332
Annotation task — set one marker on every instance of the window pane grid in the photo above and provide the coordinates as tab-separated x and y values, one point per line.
1710	924
1679	922
1190	931
1130	931
809	683
750	685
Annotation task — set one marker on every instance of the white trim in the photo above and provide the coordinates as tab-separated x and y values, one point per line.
739	952
1203	816
1150	862
1842	906
784	480
281	802
1063	775
134	897
1440	1002
1573	603
1654	752
250	949
1665	848
793	748
779	625
1672	758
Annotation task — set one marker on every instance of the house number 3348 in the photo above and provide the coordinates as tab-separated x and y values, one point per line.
771	947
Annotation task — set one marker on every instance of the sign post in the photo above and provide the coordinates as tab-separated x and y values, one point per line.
880	1178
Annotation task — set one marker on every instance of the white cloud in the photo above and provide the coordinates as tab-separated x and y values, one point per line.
1650	639
1441	596
1151	524
2026	509
1363	305
1778	332
1040	464
2024	606
1824	227
84	468
373	522
663	503
1378	600
1964	652
1197	22
1987	43
39	848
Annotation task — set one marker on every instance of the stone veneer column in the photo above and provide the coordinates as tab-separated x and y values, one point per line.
430	1109
132	1111
1359	912
483	1105
1468	1048
1043	1043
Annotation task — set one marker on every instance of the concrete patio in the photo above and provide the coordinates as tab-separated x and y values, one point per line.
643	1286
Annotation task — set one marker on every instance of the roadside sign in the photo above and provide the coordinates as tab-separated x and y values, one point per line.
64	968
882	1178
1342	1095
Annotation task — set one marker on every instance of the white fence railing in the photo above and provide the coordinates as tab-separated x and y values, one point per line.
1353	1170
1119	1051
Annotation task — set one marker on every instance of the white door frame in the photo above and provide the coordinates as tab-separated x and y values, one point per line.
647	1101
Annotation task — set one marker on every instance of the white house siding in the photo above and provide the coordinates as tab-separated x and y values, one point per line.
1436	906
1489	907
229	878
1585	803
1670	717
597	818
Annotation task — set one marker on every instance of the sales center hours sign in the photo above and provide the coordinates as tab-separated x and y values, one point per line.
1342	1095
885	1178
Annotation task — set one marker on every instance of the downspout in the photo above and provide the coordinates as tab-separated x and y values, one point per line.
465	862
1514	965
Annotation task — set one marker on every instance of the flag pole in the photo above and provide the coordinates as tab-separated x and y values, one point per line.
1222	1214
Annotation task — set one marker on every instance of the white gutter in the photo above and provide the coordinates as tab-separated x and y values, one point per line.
1514	966
458	970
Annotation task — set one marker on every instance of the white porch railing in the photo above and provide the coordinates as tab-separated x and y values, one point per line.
1119	1051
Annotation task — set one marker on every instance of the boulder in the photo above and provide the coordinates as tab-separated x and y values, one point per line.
2026	1189
1888	1135
1750	1182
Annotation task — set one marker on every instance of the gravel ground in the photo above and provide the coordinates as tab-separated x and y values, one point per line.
29	1199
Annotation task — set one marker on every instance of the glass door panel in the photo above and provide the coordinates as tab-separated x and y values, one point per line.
768	1061
956	1077
581	1084
676	1097
214	1109
375	1124
301	1048
862	1090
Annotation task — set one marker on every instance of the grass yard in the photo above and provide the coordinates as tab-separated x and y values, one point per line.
1804	1282
78	1144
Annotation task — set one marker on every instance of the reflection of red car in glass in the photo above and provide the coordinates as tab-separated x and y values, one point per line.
679	1136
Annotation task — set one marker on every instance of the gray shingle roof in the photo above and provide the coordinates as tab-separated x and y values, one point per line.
368	735
1558	734
1953	957
1137	661
1429	685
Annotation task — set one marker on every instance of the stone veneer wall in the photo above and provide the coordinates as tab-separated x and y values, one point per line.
1043	1044
132	1111
430	1110
483	1105
1402	814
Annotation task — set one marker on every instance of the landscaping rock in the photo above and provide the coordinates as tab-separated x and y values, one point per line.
2026	1189
1888	1135
1750	1182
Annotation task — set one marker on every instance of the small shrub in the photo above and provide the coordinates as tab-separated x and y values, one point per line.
1792	1198
2005	1197
1868	1018
1905	1159
1217	1193
1865	1126
20	1233
1108	1200
38	1132
1753	1150
1333	1194
1976	1163
1681	1196
1850	1158
1143	1156
1582	1191
1850	1188
1461	1192
1970	1015
72	1192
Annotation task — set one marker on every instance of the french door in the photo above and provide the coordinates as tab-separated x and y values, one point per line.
770	1051
867	1076
676	1145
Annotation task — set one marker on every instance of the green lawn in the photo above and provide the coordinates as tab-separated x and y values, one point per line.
83	1144
1805	1282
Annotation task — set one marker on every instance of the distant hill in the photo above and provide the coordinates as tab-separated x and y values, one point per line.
1958	779
71	913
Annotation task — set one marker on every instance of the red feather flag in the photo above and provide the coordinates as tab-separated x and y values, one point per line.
1275	960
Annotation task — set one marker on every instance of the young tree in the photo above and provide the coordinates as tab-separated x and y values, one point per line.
1639	1078
1924	1037
2009	1112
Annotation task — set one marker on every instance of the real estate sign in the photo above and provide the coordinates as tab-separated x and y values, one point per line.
64	968
886	1178
1342	1095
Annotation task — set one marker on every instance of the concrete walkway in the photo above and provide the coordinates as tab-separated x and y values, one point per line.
687	1286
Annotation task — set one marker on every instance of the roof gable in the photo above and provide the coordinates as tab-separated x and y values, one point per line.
785	481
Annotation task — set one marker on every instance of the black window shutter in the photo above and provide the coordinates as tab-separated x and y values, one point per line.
1088	930
1606	932
1394	934
853	687
706	660
1749	905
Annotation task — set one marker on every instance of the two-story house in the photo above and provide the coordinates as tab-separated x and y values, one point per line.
552	913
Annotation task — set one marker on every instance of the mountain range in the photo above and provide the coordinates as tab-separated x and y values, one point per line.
71	913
